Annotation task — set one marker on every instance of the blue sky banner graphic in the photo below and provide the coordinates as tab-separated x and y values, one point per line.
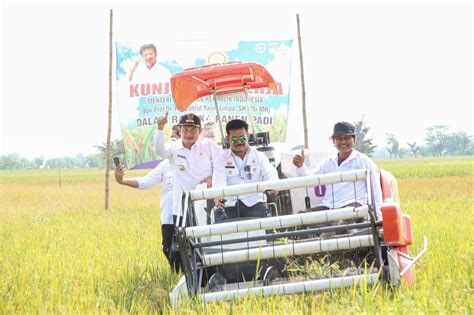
144	91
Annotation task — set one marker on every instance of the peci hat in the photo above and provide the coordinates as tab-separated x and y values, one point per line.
343	128
190	120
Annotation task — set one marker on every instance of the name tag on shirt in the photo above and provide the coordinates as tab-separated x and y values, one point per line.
234	180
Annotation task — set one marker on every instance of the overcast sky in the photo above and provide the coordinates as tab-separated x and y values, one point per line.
404	65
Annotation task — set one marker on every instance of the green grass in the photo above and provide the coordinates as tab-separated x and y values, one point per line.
61	252
429	167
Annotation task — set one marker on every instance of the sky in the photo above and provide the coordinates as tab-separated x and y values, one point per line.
401	65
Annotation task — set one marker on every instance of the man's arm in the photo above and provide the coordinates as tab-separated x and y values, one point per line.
149	180
269	172
119	173
301	170
132	70
219	177
153	178
207	181
162	148
215	151
298	161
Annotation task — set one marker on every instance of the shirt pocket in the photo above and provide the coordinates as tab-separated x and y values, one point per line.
168	181
202	161
357	165
254	170
233	177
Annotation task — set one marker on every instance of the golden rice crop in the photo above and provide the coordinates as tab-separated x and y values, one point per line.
61	252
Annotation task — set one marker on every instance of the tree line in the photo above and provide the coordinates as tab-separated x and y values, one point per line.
439	141
16	162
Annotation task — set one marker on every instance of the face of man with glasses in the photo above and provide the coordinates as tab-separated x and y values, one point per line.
238	139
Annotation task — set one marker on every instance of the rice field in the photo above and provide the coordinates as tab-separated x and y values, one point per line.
60	252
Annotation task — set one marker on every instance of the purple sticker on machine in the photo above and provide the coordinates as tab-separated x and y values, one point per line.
320	191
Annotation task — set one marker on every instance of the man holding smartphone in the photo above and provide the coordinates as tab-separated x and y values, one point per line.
160	174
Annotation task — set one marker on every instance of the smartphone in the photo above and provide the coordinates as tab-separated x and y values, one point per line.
116	161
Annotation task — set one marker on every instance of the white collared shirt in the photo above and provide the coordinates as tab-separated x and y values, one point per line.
339	195
229	169
161	174
157	74
189	166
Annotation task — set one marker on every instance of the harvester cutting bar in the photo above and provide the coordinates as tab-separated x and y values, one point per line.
283	184
290	249
274	236
290	288
277	222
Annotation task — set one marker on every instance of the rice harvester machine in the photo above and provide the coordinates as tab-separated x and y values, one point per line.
294	249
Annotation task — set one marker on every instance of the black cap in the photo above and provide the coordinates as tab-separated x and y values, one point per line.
343	128
190	120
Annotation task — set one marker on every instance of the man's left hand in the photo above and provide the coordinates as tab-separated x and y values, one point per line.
208	181
219	203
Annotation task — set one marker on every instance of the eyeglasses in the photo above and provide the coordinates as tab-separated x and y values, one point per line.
242	139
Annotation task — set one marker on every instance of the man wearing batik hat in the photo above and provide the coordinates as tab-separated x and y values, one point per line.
191	157
347	159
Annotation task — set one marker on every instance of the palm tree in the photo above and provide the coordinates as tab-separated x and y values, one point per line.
116	149
414	148
363	145
393	145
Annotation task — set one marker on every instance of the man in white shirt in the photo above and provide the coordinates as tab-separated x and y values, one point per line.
160	174
191	158
147	69
347	159
241	164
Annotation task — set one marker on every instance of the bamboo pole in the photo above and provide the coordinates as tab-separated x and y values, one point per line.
303	91
109	126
